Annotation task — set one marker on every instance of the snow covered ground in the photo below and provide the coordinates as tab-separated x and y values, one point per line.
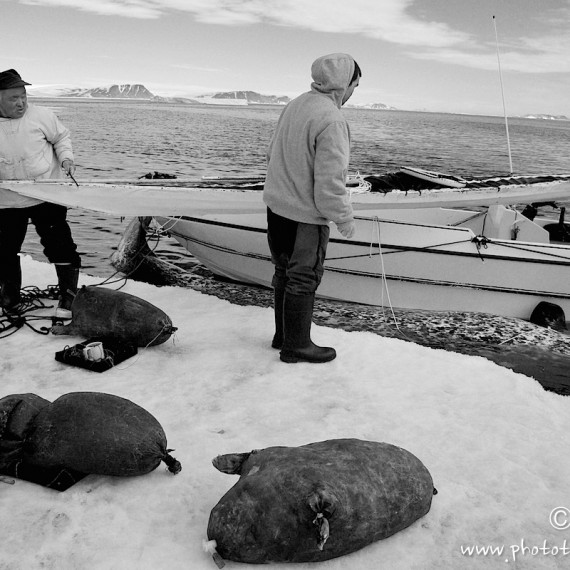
496	444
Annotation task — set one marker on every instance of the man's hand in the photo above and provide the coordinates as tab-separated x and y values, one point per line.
348	229
68	167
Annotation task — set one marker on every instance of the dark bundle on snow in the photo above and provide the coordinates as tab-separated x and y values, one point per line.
317	501
106	313
56	444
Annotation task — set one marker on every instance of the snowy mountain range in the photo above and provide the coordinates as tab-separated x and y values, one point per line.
140	92
127	91
242	98
376	106
548	117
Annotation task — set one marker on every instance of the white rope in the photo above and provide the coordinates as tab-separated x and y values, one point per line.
139	352
382	269
362	187
172	220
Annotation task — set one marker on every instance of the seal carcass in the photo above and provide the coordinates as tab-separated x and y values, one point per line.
137	261
317	501
100	312
57	444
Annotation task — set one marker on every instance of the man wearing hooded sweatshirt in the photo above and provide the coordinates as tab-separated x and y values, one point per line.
305	189
34	144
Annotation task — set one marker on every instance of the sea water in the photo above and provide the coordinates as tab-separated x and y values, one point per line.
127	139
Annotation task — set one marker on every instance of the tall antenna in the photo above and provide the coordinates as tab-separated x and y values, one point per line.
503	96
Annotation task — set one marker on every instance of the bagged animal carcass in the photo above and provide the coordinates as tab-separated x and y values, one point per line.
97	433
17	412
17	415
105	313
318	501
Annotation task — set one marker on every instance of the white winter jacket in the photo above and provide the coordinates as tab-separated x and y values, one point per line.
31	148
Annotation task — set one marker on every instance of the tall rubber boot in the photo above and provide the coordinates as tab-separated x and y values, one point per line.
10	285
279	297
297	343
67	277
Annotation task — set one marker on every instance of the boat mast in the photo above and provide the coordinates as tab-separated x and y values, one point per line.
503	96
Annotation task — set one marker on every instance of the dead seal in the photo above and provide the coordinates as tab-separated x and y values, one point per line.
317	501
97	433
105	313
135	259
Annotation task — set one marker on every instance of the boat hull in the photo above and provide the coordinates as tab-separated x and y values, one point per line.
395	263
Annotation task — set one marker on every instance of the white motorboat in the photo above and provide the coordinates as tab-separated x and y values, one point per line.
493	260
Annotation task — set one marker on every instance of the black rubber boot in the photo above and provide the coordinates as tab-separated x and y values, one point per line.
67	277
297	343
10	285
279	296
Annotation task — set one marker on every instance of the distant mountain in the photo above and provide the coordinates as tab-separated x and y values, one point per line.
183	100
547	117
242	98
52	90
127	91
136	91
379	106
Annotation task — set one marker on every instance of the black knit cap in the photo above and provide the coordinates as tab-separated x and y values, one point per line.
10	79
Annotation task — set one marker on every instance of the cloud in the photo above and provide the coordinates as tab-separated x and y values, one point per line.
143	9
388	20
531	55
544	50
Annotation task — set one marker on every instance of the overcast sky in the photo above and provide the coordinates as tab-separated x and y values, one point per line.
434	55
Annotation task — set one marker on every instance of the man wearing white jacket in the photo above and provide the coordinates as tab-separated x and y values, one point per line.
305	189
34	145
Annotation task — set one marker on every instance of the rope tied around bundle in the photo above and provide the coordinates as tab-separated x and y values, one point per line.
209	546
323	527
172	464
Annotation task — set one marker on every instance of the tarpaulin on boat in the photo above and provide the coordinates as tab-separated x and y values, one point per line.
139	200
174	198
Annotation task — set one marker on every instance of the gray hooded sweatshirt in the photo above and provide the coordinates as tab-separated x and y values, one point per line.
309	153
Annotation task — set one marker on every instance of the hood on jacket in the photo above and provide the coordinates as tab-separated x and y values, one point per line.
332	74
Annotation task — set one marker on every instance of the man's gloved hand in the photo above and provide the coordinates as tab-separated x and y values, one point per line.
68	167
348	229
